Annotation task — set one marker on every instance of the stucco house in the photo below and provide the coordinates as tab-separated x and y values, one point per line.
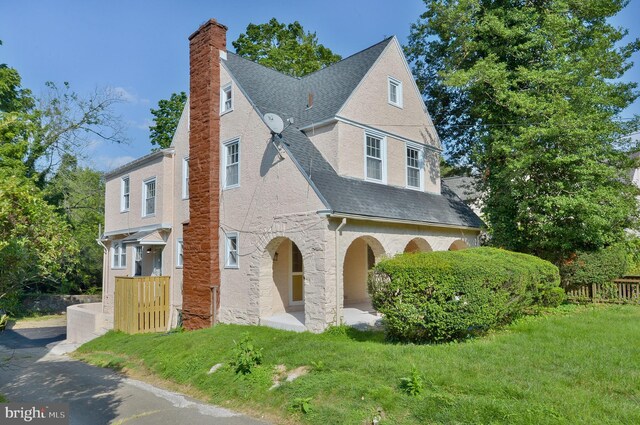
253	226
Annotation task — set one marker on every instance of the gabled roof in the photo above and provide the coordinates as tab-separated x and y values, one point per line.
272	91
463	186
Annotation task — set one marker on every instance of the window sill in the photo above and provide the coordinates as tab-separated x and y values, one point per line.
124	211
149	215
417	189
179	267
375	181
235	186
119	268
231	267
226	112
397	105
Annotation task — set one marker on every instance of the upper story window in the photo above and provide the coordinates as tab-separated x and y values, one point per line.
119	256
232	164
124	194
149	201
185	178
395	92
414	167
231	260
375	152
226	98
180	254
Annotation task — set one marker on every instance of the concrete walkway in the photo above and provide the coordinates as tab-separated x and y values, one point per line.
31	372
359	316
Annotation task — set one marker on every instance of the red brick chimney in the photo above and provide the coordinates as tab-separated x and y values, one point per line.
201	273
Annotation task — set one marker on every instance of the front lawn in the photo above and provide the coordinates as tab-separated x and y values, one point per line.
574	365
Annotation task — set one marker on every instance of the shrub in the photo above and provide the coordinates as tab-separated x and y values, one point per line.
451	295
598	267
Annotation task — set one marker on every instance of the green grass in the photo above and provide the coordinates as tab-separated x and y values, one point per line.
2	399
574	365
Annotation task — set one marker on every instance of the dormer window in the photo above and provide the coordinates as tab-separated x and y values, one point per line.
395	92
226	99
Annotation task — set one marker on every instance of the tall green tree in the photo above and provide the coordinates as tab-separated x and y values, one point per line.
166	119
36	245
284	47
77	193
529	93
46	201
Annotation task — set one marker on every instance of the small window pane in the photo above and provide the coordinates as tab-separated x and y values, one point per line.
123	255
374	168
393	92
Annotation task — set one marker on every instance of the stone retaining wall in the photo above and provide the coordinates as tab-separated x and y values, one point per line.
53	303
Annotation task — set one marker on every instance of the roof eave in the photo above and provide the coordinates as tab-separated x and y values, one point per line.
336	214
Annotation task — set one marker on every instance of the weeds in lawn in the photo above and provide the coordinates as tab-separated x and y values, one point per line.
245	356
413	384
301	404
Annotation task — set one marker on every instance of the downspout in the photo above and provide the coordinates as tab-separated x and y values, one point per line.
338	231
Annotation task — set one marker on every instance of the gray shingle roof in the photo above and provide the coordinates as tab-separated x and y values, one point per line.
271	91
462	186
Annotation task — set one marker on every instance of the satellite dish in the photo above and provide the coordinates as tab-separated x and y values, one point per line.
274	122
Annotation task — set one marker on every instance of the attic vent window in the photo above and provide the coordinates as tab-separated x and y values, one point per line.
226	99
395	92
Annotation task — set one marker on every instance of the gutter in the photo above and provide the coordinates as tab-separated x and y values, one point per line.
105	263
338	231
400	221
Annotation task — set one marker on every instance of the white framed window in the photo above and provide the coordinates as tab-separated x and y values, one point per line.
179	254
149	197
375	152
395	92
232	164
296	282
125	192
226	99
185	178
231	251
118	256
415	167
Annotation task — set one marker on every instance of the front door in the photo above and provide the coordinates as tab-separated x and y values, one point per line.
157	263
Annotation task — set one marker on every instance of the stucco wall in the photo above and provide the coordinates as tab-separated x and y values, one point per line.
161	169
355	272
271	193
369	105
370	99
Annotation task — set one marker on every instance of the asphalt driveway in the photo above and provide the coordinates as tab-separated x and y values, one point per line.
30	372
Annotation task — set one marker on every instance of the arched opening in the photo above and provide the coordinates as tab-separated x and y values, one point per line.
282	283
458	245
417	245
363	253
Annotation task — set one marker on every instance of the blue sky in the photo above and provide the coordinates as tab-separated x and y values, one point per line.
140	48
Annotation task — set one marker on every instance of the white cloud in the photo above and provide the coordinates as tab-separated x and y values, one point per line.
128	96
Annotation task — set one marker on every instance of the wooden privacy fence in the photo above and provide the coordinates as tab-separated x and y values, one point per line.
141	304
625	290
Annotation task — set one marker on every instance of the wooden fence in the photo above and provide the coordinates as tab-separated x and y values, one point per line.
625	290
141	304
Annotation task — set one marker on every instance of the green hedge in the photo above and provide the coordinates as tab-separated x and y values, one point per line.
598	267
451	295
